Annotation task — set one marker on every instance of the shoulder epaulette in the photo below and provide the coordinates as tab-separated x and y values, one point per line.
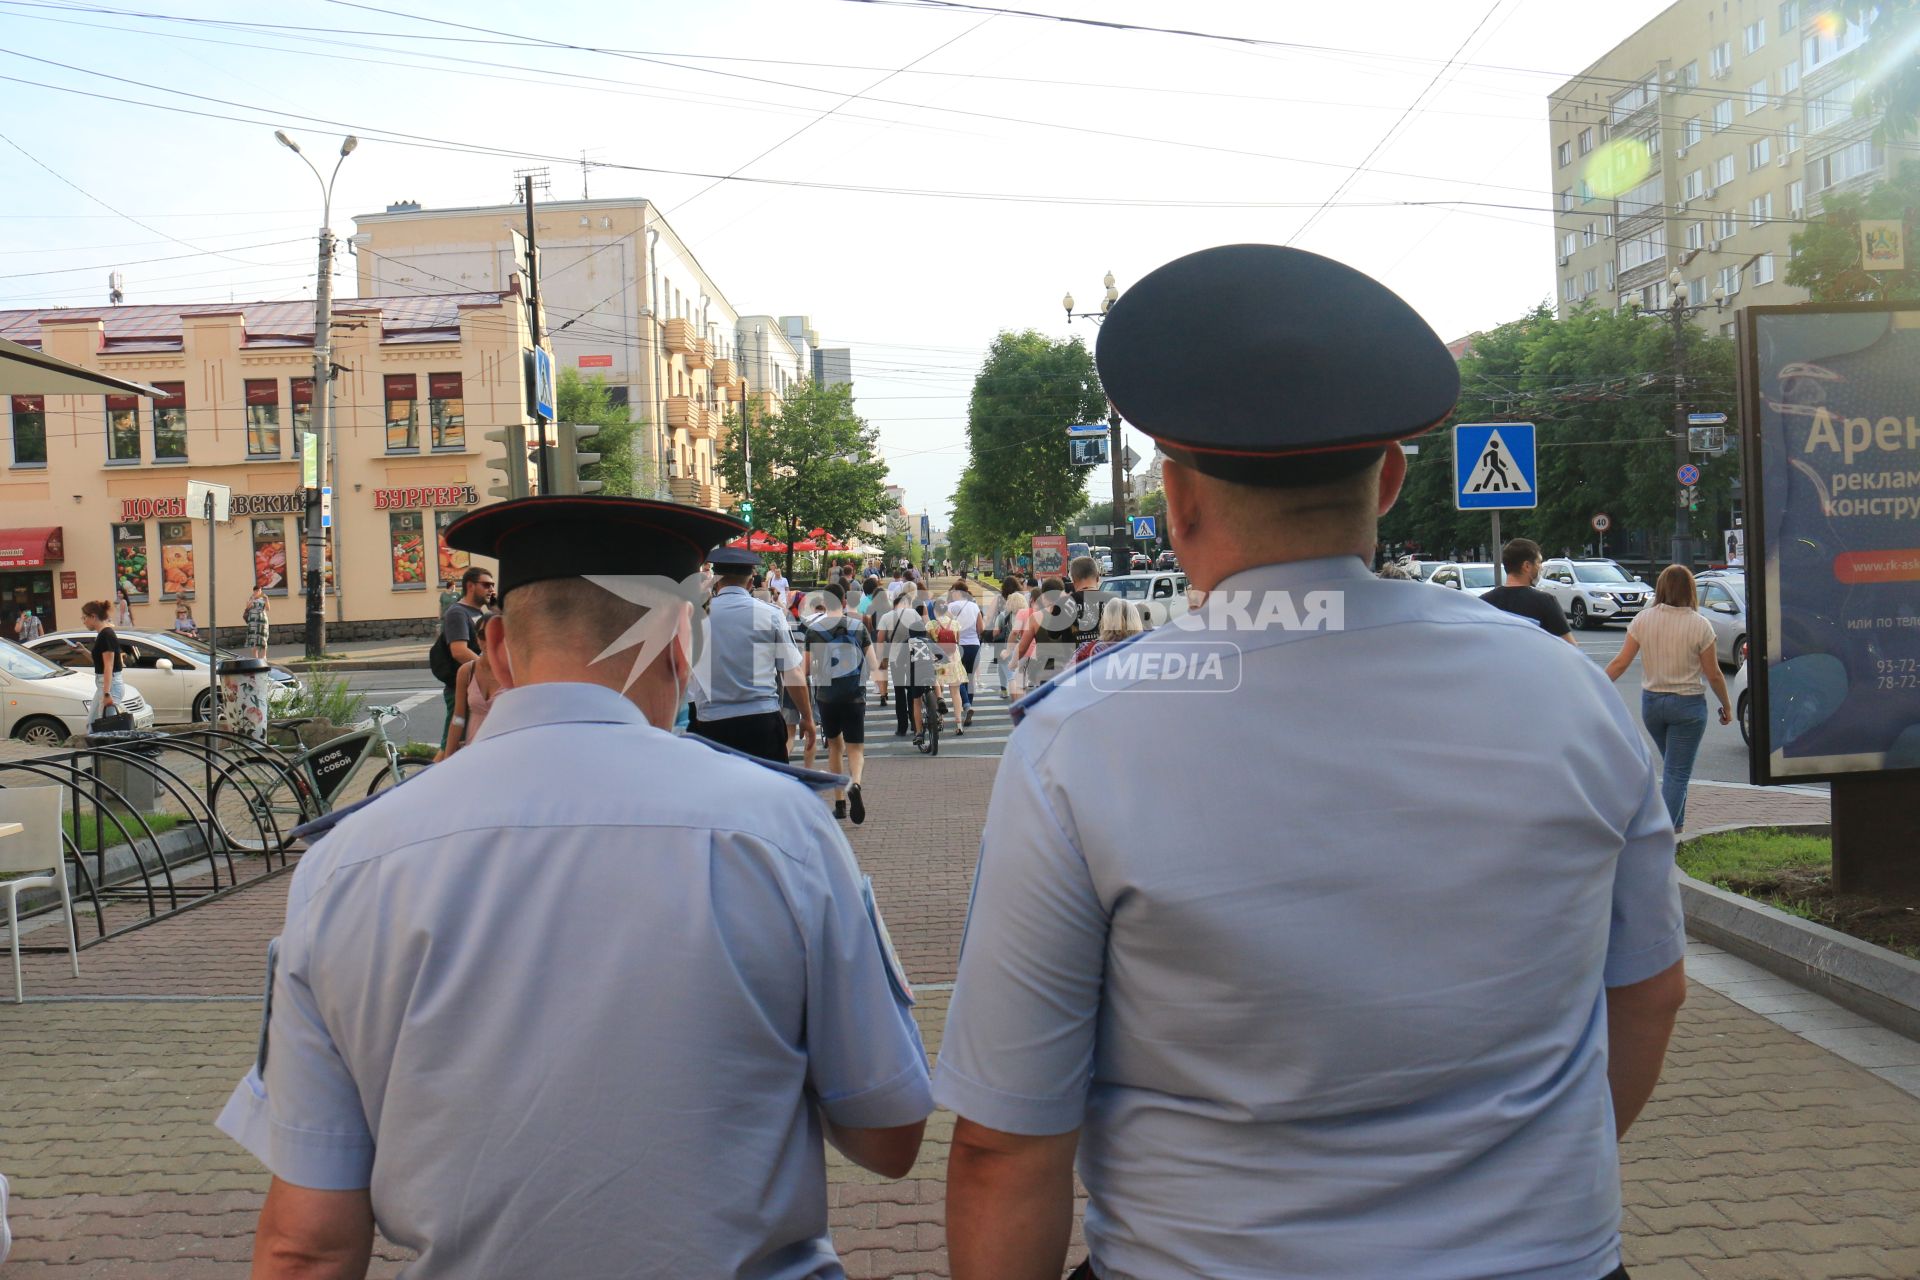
310	831
1020	708
817	780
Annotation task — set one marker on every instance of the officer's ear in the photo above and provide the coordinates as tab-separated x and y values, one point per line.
1393	474
499	642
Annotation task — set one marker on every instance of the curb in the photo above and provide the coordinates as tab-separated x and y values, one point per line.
1871	981
350	665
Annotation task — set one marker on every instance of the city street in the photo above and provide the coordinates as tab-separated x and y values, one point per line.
1723	755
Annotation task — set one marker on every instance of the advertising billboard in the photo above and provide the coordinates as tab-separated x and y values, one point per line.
1050	555
1831	425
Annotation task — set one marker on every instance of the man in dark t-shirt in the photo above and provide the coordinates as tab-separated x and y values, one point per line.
1521	559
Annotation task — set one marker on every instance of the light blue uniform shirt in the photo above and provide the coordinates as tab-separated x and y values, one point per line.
1327	1000
566	1025
748	644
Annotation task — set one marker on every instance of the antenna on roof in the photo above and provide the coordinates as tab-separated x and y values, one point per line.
115	293
542	180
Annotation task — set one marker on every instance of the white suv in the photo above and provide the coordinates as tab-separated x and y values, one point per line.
1593	593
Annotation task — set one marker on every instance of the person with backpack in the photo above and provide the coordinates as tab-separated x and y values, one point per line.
838	649
456	645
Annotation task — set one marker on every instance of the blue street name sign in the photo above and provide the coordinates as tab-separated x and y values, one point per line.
1493	467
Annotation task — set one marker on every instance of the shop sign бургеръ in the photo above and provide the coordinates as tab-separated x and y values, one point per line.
432	495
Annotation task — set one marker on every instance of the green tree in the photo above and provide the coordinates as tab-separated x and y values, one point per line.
1599	388
1826	255
815	465
621	470
1019	479
1887	64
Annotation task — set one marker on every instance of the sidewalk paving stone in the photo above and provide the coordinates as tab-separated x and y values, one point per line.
1762	1155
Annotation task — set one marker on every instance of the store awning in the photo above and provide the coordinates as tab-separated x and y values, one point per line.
31	548
27	372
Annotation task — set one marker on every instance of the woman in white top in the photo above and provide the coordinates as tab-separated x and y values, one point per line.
964	615
1013	600
1675	646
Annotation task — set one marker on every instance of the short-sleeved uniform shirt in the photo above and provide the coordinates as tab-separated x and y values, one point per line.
1531	602
1322	1003
748	644
564	1025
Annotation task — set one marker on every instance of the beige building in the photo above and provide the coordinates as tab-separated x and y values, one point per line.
1700	144
93	488
622	296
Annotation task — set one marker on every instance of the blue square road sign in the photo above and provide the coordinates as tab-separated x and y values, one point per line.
1493	467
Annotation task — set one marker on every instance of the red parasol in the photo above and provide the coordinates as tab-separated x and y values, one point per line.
806	544
826	541
758	541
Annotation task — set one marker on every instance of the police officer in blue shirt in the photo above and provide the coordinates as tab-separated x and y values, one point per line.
585	999
750	656
1292	1024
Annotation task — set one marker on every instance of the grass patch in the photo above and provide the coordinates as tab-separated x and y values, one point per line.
1794	873
324	697
419	750
84	831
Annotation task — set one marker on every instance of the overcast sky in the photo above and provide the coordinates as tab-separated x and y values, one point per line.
1136	147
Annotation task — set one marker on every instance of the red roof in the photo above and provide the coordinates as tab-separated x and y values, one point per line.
429	317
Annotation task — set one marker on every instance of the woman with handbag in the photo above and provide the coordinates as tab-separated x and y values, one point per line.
110	687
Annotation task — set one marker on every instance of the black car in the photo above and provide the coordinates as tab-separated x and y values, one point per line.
1138	562
1167	560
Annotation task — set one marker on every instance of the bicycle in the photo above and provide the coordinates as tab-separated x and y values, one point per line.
928	741
254	799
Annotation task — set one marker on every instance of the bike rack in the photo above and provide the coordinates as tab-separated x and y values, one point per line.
147	879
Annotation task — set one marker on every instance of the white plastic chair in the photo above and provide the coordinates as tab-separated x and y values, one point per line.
34	848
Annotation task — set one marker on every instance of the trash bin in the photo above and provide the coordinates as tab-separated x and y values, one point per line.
140	787
245	686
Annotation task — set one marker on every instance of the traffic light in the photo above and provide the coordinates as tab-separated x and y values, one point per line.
512	461
746	510
569	459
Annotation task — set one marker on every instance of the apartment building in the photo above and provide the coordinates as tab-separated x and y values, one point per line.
1700	144
93	488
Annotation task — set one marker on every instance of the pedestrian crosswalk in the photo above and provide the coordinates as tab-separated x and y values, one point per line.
986	736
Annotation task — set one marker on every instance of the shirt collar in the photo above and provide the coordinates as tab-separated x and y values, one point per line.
533	705
1295	575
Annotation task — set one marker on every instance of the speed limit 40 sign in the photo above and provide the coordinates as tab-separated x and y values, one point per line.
1602	522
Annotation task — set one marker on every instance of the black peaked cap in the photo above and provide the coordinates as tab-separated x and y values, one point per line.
563	536
1272	366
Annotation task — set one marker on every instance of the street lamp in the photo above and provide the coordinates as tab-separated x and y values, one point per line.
1122	540
316	636
1678	312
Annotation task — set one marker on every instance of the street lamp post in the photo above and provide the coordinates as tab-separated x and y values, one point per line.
1121	540
1678	313
316	634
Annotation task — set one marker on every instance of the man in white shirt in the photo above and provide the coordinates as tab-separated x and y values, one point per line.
964	614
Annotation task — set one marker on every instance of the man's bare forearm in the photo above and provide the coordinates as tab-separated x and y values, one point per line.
1639	1024
1009	1204
313	1235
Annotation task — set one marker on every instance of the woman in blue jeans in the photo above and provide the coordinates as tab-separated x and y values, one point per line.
1676	651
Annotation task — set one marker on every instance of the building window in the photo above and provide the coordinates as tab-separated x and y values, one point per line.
270	555
1760	209
1696	235
1789	78
300	392
1586	141
1759	154
1796	198
1849	162
1641	250
263	417
176	559
1566	204
1723	171
1722	114
170	422
326	561
130	561
1721	59
1591	282
29	431
1688	76
1833	107
1823	45
407	548
1691	132
1730	280
1587	236
1753	36
1725	224
1694	185
123	428
1756	96
1763	269
446	411
1564	154
1566	244
452	563
1789	17
1790	142
403	418
1697	289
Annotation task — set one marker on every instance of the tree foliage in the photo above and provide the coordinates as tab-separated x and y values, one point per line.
622	469
1826	255
1599	388
816	464
1888	64
1019	480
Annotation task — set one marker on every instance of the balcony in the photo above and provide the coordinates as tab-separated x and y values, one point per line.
701	356
691	492
678	336
726	375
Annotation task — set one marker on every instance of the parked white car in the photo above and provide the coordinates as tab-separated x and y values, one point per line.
44	704
1160	595
1476	578
168	670
1723	602
1593	593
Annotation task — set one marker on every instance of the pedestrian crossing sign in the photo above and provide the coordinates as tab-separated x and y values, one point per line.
1493	467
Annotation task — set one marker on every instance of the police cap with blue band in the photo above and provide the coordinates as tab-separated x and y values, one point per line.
569	536
1272	366
733	560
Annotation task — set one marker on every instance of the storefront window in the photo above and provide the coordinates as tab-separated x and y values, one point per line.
263	417
452	563
29	431
123	428
447	411
326	562
170	422
176	559
130	561
403	422
301	390
406	541
270	556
